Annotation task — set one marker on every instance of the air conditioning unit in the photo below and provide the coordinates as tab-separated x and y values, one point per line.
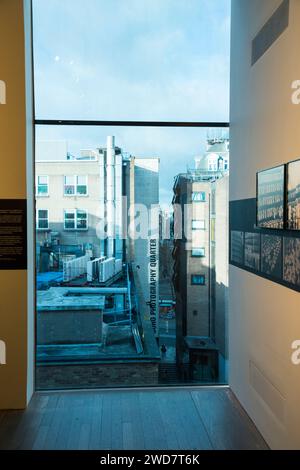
93	268
118	266
106	269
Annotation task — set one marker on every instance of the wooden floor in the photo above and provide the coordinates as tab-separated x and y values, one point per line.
154	419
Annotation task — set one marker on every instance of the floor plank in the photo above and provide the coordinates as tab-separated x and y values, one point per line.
96	422
193	432
133	432
106	422
153	426
171	421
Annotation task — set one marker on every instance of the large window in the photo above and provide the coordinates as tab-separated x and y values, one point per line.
131	102
75	220
75	185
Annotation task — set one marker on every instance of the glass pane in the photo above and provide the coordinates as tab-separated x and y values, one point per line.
69	190
132	60
81	180
81	185
42	189
43	214
43	180
69	224
198	279
198	196
198	224
81	224
43	223
81	190
69	180
198	252
81	215
126	235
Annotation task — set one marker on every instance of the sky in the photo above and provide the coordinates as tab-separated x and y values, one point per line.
133	60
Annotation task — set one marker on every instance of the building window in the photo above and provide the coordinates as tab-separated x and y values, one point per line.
198	252
220	163
69	186
42	186
198	280
81	185
81	220
42	219
198	224
69	220
75	220
199	196
75	185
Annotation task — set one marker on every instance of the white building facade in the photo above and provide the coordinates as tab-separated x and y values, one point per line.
79	200
91	203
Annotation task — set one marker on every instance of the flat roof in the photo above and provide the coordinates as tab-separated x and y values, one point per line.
55	299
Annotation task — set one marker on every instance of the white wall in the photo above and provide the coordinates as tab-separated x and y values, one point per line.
221	257
264	317
16	287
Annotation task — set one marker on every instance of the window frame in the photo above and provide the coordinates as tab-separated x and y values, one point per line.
198	256
75	185
72	121
75	213
37	184
42	218
193	283
198	228
198	200
86	219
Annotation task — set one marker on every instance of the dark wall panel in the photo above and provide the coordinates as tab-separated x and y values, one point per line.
279	257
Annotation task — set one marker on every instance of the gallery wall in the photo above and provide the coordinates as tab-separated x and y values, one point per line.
264	315
270	253
16	285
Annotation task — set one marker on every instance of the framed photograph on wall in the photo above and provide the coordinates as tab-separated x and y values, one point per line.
293	195
252	251
291	260
237	247
270	198
271	255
